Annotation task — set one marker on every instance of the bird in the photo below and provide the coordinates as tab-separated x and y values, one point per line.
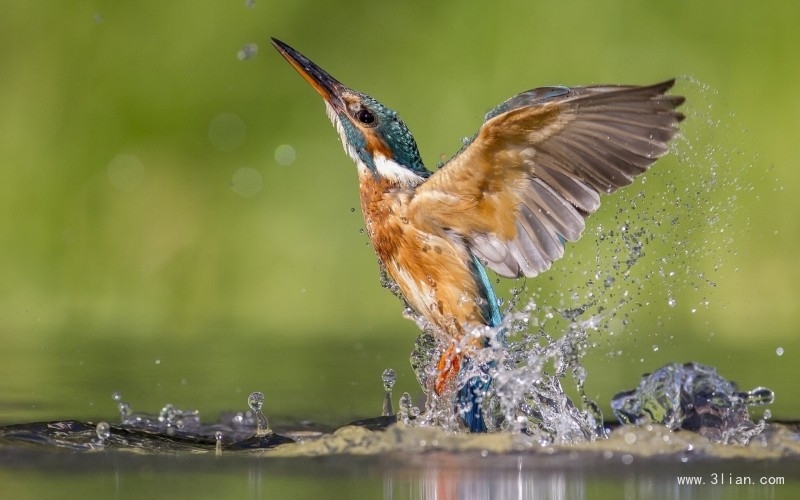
508	201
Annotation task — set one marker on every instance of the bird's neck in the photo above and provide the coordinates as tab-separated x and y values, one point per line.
383	197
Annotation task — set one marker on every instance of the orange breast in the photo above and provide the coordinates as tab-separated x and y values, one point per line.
432	270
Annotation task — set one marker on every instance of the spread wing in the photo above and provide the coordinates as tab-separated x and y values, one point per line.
536	168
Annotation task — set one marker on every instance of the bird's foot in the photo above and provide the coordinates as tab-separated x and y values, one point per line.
447	369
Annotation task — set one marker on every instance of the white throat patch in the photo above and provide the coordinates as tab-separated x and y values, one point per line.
393	171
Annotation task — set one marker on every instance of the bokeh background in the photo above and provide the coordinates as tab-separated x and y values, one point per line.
178	217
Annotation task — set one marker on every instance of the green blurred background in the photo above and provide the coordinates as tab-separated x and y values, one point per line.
177	215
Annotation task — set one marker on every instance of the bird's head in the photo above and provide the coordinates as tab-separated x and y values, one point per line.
372	134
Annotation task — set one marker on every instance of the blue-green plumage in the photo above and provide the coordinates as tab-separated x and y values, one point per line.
396	135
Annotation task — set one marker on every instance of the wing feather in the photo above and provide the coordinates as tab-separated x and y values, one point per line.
543	237
529	257
560	215
495	254
536	168
573	190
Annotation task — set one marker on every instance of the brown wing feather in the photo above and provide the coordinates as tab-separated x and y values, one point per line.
534	172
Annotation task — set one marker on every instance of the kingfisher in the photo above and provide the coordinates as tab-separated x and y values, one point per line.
508	200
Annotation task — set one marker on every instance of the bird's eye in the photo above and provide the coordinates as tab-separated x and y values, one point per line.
365	116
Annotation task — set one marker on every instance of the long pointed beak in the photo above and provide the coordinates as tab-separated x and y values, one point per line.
327	86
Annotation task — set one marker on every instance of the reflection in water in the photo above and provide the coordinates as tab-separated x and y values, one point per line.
575	477
448	482
437	480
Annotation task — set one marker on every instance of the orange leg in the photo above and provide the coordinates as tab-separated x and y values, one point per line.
447	369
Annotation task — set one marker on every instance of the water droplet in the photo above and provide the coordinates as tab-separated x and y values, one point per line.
760	396
124	410
116	396
285	155
125	172
158	361
779	351
247	182
103	431
255	401
671	301
389	377
248	51
655	348
767	414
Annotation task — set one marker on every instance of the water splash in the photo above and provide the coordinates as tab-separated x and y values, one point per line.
248	51
169	420
693	397
232	427
527	394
